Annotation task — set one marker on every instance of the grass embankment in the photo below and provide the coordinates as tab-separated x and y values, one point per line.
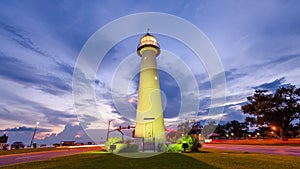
232	159
271	142
207	159
29	150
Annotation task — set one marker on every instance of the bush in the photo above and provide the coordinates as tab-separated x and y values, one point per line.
175	148
162	147
192	141
128	148
112	140
189	140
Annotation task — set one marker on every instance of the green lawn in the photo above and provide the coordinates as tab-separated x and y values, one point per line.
207	159
231	159
19	151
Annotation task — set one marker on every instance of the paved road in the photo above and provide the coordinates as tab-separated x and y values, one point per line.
282	150
34	156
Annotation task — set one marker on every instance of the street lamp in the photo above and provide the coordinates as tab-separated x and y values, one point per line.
108	127
37	123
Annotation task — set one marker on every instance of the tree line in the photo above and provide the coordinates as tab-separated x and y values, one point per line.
271	114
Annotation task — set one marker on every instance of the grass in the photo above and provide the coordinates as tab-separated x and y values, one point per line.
29	150
231	159
207	159
265	142
111	161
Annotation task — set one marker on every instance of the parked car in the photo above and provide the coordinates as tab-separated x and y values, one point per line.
5	147
17	145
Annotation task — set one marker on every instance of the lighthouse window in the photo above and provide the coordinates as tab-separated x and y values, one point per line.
148	40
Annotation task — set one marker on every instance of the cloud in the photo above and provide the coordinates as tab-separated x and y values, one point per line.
24	128
16	68
258	45
18	36
272	86
70	132
29	112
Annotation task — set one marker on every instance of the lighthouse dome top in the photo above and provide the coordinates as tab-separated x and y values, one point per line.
148	40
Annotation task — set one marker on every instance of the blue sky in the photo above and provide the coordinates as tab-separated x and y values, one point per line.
257	42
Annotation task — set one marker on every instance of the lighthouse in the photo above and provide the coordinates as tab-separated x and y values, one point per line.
149	113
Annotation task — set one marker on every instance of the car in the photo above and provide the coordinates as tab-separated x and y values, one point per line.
17	145
4	147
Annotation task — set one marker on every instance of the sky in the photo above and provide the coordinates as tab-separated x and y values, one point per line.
257	43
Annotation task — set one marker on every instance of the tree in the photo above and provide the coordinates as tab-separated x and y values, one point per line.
209	128
236	128
220	129
194	133
274	109
185	127
196	128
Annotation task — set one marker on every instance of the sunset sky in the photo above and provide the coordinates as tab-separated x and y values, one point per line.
257	43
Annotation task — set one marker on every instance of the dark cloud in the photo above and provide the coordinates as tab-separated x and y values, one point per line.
64	67
56	117
173	94
24	128
204	103
16	70
272	86
283	58
230	75
206	85
233	74
26	109
233	114
19	37
20	72
69	133
86	120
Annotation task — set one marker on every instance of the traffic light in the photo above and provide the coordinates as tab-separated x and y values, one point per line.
128	127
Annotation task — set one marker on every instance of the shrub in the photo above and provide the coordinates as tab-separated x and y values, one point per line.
175	148
112	140
128	148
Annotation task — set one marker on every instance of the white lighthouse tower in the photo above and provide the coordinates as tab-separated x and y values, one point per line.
149	114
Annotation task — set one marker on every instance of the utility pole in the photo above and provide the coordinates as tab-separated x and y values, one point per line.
37	123
108	127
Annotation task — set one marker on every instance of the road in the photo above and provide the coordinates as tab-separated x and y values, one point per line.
35	156
282	150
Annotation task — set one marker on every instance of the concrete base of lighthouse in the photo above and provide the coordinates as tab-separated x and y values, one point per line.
153	134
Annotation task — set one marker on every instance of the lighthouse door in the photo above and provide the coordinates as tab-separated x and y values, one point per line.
149	130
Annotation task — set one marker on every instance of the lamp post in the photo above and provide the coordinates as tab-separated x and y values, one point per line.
37	123
108	127
274	132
